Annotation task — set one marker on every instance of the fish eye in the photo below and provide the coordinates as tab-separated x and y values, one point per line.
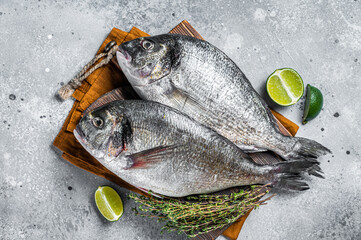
147	45
98	122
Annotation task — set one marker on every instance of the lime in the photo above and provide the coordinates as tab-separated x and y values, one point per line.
285	86
313	103
109	203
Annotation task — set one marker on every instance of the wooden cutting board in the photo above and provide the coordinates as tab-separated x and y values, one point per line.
108	78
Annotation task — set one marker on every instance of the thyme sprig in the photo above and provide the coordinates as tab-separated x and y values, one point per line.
199	214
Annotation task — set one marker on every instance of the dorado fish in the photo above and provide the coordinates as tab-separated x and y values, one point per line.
198	79
155	147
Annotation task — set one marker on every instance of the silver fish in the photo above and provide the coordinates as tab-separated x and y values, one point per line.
155	147
198	79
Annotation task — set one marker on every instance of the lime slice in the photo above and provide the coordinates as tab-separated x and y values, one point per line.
285	86
109	203
313	103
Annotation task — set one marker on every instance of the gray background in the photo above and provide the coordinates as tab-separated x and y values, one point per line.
45	43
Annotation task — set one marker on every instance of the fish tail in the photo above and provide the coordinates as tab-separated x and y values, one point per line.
288	175
306	149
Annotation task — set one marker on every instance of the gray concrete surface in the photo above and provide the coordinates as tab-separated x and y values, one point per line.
44	43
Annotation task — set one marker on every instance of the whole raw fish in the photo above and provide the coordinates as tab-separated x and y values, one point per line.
155	147
198	79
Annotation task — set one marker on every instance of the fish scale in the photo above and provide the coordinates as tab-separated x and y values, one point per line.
158	148
198	79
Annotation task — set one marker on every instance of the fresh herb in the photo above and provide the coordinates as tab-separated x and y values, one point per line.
199	214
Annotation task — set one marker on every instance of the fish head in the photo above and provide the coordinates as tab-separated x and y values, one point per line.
103	132
147	59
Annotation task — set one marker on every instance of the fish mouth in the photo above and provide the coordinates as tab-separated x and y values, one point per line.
123	54
79	135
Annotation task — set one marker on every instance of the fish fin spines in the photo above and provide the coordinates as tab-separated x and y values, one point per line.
306	149
294	183
288	175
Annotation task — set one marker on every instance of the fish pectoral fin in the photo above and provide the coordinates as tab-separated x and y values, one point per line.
149	157
185	100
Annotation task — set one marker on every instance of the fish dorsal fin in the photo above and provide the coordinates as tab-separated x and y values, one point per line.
114	95
125	92
149	157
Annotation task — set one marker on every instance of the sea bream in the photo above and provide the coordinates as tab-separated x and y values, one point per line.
155	147
198	79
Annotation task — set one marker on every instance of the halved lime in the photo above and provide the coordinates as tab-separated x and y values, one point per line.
313	104
285	86
109	203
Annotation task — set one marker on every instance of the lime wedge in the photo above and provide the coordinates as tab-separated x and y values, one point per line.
285	86
313	103
109	203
